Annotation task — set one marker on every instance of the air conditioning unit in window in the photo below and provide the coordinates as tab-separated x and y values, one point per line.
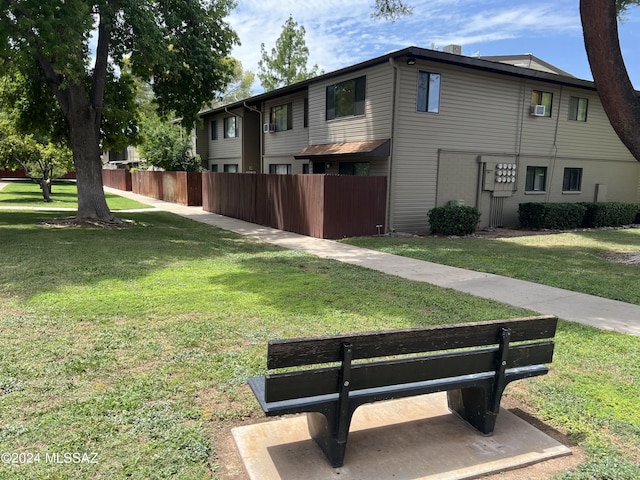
538	110
269	128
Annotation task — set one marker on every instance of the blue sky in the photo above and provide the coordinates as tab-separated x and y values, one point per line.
340	33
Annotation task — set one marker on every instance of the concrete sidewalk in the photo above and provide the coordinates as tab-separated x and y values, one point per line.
577	307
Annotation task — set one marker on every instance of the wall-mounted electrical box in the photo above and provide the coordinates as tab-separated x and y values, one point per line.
500	177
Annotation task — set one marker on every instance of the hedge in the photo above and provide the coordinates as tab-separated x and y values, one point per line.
567	216
609	214
454	220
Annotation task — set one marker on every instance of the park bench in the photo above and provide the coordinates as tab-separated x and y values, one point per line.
472	362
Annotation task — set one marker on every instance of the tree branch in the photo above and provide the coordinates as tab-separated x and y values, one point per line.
53	80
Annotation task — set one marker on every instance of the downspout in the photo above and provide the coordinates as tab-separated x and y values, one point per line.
389	218
261	133
555	150
226	109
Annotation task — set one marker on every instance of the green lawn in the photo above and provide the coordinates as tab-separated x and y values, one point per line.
136	344
64	194
579	261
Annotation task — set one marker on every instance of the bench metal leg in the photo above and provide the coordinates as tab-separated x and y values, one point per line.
473	405
323	430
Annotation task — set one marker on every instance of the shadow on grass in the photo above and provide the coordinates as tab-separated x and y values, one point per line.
128	270
42	258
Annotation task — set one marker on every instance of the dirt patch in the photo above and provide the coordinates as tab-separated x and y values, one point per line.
73	222
627	258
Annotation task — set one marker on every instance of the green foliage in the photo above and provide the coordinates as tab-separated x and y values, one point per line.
121	115
41	159
551	216
567	216
609	214
608	468
167	146
454	220
287	63
240	85
73	49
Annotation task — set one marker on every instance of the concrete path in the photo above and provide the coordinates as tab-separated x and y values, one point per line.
578	307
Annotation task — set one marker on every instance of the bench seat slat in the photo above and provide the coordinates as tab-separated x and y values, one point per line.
309	351
369	395
311	383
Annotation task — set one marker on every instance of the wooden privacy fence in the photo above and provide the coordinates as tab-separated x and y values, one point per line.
321	206
117	178
184	188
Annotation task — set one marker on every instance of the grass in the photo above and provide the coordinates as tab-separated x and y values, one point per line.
64	194
136	344
579	261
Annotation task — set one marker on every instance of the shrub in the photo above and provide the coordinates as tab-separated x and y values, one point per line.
609	214
552	216
454	220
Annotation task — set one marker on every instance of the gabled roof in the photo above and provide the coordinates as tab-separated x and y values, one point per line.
477	63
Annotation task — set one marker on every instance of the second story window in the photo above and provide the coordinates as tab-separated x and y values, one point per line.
428	92
214	130
231	127
539	97
346	98
578	109
281	117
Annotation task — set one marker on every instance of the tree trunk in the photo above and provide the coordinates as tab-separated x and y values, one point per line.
85	145
618	97
45	186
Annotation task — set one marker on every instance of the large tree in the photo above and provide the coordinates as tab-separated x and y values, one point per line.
602	43
287	63
76	47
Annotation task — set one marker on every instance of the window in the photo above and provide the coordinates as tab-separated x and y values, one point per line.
230	168
231	127
306	168
280	169
214	130
281	117
346	99
542	98
353	168
536	179
572	180
428	92
306	113
578	109
214	167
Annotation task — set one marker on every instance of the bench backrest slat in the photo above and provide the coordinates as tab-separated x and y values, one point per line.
309	351
307	383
